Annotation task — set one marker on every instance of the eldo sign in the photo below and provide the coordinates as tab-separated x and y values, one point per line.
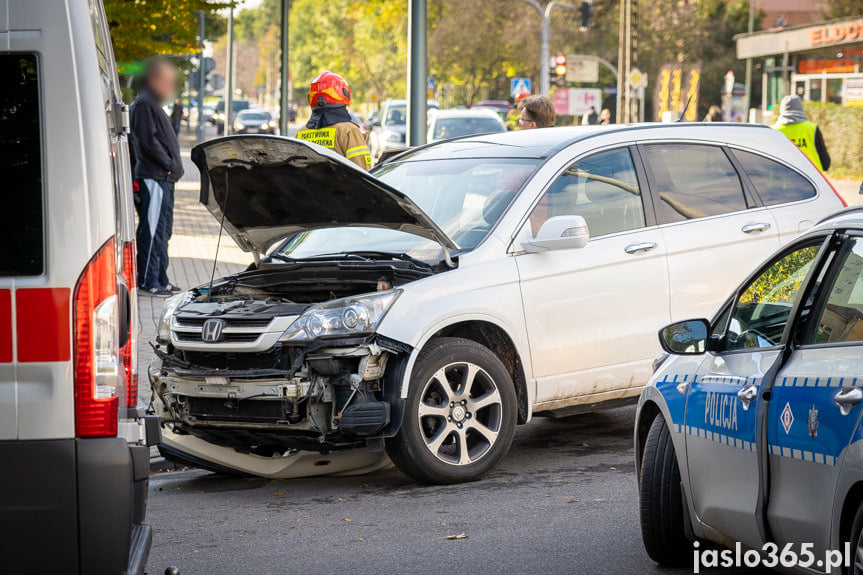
841	32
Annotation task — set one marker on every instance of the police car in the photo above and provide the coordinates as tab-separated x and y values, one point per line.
749	433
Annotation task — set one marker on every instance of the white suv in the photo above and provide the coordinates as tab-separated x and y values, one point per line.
73	442
463	287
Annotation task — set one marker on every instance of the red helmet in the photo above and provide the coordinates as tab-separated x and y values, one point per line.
329	88
521	96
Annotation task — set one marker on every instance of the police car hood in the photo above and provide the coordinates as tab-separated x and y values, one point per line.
265	188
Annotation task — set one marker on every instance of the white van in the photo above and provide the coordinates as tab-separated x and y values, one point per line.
73	441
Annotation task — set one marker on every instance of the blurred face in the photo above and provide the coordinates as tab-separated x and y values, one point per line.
525	122
162	80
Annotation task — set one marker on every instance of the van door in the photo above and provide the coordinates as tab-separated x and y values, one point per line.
714	232
592	313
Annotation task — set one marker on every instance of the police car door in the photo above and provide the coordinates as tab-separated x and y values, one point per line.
815	406
722	411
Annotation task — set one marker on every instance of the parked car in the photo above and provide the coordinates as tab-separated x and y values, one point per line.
73	440
389	129
237	106
254	121
750	430
499	107
448	124
464	286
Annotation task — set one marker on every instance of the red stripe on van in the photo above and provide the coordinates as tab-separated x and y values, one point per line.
6	326
43	324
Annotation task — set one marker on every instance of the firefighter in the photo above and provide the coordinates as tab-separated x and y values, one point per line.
330	124
792	122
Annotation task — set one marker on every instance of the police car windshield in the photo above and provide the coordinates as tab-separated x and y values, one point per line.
464	197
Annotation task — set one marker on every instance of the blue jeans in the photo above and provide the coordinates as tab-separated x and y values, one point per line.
155	208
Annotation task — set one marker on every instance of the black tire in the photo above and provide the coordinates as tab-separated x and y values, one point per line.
451	442
661	499
856	567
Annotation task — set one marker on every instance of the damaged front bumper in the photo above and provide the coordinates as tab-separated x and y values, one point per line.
325	408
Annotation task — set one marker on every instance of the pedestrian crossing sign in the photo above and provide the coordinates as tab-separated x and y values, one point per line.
519	86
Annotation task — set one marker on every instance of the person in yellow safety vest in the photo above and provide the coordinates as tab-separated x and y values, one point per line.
512	116
330	124
794	123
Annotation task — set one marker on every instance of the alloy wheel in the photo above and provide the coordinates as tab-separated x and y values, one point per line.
460	413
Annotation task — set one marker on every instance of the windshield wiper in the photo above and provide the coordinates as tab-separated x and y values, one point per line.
365	256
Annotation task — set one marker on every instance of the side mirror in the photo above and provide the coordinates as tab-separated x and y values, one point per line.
559	233
685	337
376	124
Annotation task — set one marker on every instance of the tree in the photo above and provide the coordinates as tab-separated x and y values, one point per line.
140	28
843	9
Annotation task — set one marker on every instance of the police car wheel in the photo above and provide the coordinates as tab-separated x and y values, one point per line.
460	414
856	567
661	499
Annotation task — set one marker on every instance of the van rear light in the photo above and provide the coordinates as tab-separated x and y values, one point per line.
96	319
129	352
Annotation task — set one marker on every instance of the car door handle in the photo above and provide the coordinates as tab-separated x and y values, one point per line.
751	228
746	394
846	398
641	247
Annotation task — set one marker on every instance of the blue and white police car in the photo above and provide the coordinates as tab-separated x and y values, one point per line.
749	433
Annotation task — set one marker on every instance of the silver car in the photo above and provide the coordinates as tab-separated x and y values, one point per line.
749	433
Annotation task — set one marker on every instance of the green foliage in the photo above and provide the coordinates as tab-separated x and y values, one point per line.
140	28
842	134
781	281
843	8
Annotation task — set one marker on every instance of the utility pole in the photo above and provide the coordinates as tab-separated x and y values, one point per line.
229	95
621	77
202	80
285	101
751	28
417	73
545	36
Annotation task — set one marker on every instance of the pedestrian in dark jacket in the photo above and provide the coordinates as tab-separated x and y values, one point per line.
177	115
157	166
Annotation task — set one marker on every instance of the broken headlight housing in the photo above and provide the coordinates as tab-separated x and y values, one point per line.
163	333
339	317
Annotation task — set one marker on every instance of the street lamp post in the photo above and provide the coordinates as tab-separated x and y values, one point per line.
545	34
229	94
285	96
417	74
202	80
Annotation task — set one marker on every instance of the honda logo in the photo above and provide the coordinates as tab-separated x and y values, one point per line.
212	331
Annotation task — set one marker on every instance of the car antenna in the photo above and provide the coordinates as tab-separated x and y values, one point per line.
683	113
219	239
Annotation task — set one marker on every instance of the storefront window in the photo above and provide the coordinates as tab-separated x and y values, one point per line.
815	90
834	90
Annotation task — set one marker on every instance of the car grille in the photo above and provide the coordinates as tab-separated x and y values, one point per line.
234	330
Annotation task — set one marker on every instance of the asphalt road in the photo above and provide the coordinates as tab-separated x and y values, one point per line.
563	501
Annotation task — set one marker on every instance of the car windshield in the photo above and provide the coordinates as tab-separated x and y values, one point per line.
396	115
465	197
466	126
254	117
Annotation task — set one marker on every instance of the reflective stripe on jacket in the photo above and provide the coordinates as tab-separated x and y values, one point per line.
343	138
803	136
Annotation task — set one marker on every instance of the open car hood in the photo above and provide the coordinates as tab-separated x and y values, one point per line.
266	188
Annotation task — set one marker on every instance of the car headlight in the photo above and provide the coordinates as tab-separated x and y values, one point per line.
392	136
239	126
347	316
272	123
163	334
264	126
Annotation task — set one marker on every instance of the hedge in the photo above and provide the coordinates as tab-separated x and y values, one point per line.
843	132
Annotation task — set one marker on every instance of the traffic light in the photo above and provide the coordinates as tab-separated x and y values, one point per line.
560	65
586	10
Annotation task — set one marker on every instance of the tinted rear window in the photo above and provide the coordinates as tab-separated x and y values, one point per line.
775	183
21	227
693	181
